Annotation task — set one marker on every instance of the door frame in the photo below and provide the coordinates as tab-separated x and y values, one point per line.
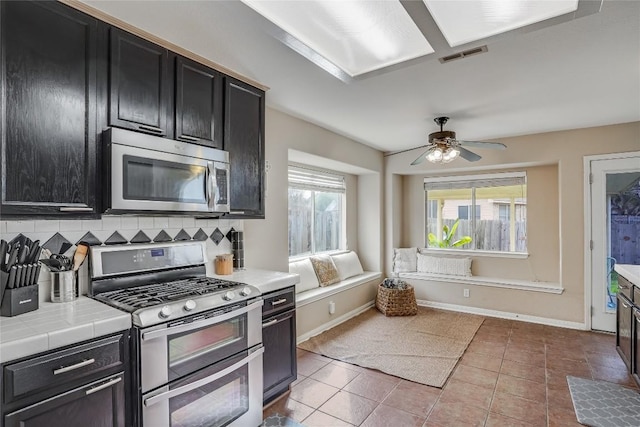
588	237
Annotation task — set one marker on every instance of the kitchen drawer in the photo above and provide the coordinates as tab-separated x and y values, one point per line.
278	301
58	368
626	288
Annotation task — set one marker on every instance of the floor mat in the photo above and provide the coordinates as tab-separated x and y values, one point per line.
604	404
277	420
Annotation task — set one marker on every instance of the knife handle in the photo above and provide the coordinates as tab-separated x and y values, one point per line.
19	276
12	277
33	279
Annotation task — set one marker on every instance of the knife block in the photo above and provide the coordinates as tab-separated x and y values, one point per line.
19	300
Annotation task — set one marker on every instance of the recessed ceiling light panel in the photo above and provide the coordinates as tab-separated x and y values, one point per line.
356	36
467	21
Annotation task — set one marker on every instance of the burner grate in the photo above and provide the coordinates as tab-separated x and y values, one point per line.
132	299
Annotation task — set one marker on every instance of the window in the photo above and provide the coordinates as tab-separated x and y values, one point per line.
316	211
490	208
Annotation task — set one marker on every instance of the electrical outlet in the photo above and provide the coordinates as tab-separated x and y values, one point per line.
332	307
466	293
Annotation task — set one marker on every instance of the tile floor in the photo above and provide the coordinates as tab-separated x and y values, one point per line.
512	374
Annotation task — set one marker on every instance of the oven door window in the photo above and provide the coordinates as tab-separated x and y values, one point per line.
160	180
195	349
215	404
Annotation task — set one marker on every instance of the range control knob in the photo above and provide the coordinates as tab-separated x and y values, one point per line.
245	291
229	295
165	312
189	305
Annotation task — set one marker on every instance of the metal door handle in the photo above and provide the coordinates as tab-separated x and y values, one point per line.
75	209
269	323
236	213
73	367
278	302
623	304
103	386
151	128
202	323
204	381
211	185
188	138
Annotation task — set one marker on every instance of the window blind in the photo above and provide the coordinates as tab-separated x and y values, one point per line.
311	179
477	181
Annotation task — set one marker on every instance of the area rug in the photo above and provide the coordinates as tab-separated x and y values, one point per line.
423	348
604	404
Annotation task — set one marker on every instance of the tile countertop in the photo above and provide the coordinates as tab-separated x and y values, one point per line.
629	272
56	325
265	280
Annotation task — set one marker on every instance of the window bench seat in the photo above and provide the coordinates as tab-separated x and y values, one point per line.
548	287
316	294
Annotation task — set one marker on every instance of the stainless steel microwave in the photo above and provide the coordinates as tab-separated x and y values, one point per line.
149	174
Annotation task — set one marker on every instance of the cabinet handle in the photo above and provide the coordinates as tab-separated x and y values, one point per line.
269	323
75	209
73	367
278	302
151	128
623	304
103	386
188	138
236	212
636	314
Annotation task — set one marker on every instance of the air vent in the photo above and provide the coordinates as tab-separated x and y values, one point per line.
463	54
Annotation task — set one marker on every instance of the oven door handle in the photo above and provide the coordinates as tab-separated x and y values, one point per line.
201	323
201	382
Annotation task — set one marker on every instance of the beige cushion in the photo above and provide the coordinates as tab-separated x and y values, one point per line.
308	278
348	265
405	260
325	270
444	265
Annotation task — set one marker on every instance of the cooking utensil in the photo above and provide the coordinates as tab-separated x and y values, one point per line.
34	254
79	255
52	264
13	256
24	252
19	276
4	246
65	262
64	248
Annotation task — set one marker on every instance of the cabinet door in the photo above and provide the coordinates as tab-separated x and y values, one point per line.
99	404
279	359
140	84
244	140
48	109
198	117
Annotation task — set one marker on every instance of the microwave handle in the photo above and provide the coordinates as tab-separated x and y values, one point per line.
212	185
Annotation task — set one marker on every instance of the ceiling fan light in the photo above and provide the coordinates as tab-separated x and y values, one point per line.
437	154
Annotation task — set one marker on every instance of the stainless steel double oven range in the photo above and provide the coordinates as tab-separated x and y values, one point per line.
196	341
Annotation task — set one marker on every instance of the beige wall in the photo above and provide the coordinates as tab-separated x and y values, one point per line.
266	244
556	221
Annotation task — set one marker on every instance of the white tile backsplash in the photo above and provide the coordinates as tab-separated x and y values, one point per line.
41	226
20	227
111	223
129	223
175	222
145	222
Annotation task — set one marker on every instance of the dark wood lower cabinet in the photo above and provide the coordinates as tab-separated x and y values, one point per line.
279	340
99	404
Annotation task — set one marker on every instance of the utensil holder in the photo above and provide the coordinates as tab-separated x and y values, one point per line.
64	286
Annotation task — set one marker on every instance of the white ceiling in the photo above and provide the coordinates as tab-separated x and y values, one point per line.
581	73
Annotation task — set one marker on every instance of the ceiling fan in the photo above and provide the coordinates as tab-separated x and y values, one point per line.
443	146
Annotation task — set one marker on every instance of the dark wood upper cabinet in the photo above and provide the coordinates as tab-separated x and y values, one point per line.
198	103
140	84
48	109
244	140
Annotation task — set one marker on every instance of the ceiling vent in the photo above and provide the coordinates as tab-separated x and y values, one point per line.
463	54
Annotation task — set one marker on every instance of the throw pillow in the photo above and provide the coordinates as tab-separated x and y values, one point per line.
308	278
348	265
325	270
444	265
405	260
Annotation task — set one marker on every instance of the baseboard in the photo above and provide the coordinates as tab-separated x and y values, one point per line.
504	315
334	322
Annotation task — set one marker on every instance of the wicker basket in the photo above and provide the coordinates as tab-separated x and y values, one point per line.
396	302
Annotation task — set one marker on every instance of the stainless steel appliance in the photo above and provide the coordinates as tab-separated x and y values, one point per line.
196	341
153	174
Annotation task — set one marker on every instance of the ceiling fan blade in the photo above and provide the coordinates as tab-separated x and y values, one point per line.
468	155
480	144
422	156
